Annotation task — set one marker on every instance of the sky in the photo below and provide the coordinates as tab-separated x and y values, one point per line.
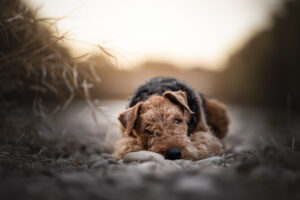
187	33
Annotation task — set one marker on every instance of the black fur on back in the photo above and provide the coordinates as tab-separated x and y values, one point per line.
159	85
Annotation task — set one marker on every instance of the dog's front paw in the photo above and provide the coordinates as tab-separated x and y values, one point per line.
125	146
207	144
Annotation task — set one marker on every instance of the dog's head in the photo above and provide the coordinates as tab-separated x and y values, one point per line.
159	124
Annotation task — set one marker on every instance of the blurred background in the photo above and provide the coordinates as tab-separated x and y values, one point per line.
241	51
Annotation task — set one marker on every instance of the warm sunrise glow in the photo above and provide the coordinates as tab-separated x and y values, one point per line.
185	32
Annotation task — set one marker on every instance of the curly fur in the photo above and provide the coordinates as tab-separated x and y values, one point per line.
160	117
159	85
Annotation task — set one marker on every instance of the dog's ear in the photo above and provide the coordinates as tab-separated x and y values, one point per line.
128	119
178	97
217	116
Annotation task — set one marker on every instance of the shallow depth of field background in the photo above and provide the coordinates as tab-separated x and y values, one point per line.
240	51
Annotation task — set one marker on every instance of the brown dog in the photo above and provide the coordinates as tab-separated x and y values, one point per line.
163	122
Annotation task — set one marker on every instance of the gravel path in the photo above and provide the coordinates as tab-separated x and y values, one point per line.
46	174
40	172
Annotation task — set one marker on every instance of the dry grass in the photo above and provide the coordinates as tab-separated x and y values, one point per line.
34	61
37	74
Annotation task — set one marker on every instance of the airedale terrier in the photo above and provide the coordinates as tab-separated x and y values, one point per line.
168	117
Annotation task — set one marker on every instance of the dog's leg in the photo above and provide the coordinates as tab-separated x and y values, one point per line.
206	144
216	116
126	145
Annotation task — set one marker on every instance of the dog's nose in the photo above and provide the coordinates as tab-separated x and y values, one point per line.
173	153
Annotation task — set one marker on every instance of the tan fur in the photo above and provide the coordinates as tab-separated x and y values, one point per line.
126	145
217	115
161	123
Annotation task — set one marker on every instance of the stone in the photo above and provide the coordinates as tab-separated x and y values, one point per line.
168	165
78	178
146	167
112	161
184	163
215	161
60	164
194	185
99	164
106	155
94	158
143	156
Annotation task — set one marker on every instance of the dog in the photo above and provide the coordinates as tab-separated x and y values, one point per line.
167	116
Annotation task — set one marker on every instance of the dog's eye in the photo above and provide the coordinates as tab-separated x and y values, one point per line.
177	121
148	132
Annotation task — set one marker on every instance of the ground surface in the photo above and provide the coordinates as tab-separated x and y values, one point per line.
253	168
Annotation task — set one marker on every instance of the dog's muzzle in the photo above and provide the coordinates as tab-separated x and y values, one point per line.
173	153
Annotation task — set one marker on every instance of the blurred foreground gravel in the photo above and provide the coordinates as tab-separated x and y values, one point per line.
46	174
251	169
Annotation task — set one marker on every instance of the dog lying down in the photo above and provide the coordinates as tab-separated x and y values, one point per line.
168	117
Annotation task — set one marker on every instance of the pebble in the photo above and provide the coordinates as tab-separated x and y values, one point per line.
169	165
93	158
129	177
99	164
214	161
60	163
194	185
77	178
184	163
142	156
106	155
146	167
112	161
